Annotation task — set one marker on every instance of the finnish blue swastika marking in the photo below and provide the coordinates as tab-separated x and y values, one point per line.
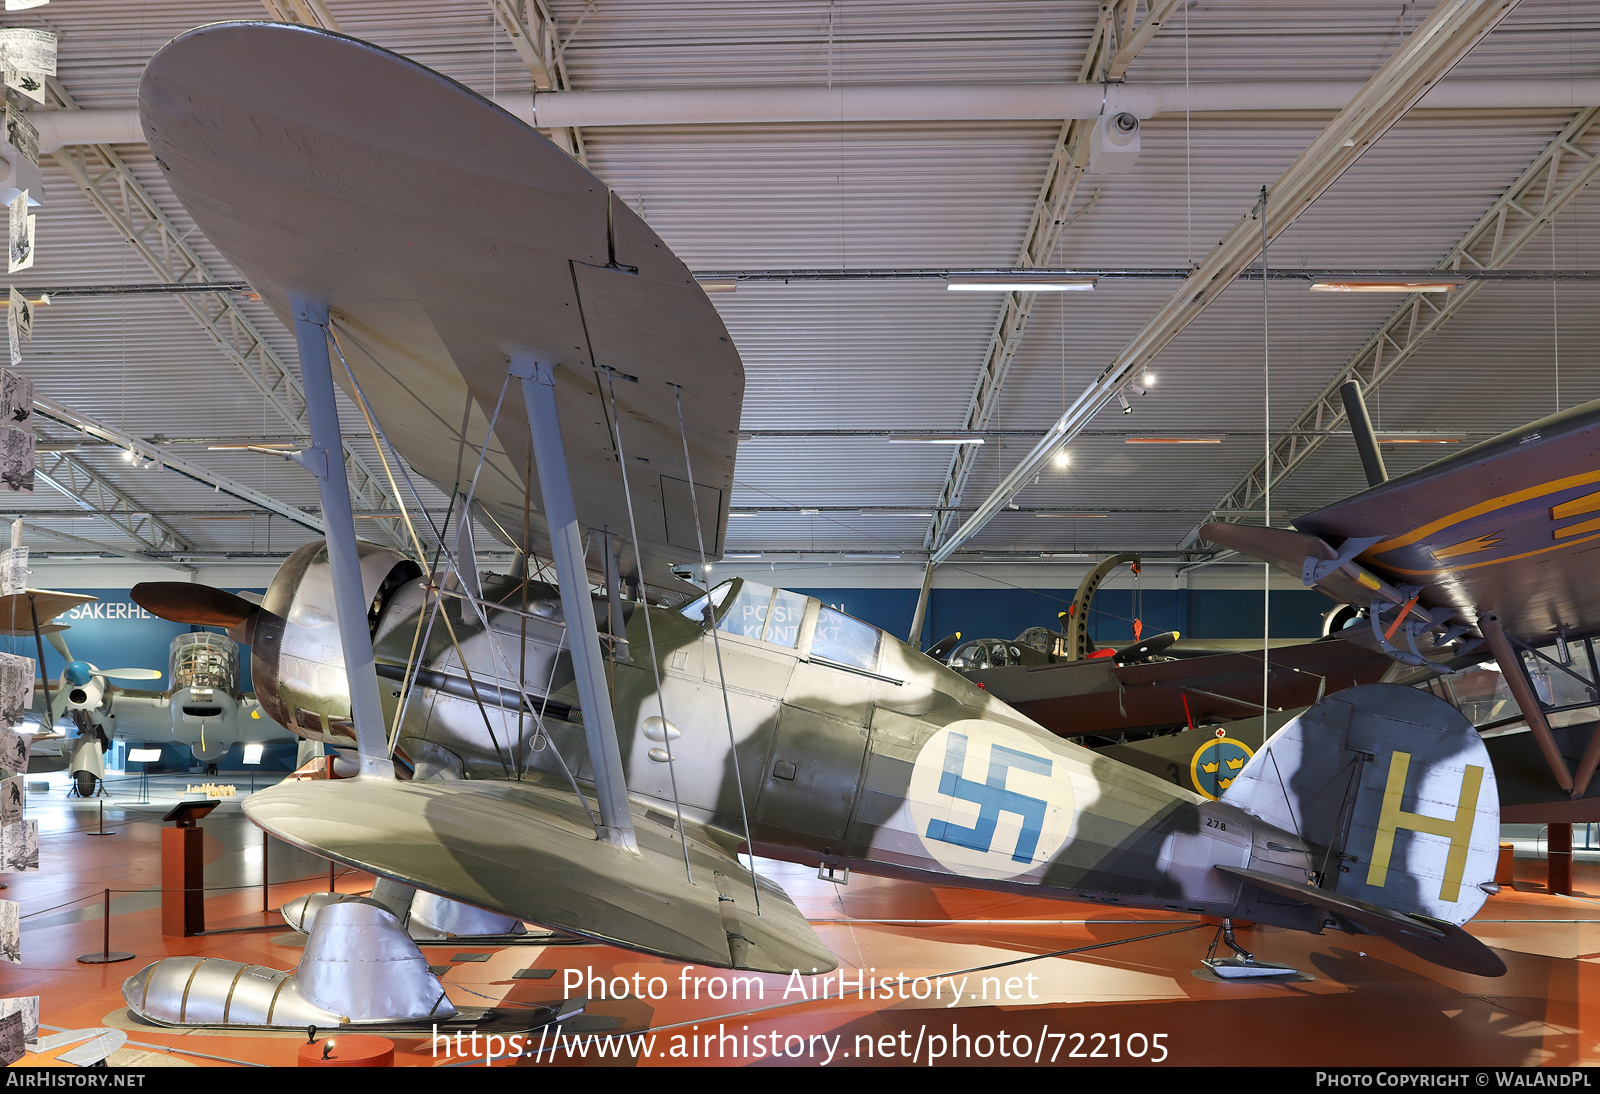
992	799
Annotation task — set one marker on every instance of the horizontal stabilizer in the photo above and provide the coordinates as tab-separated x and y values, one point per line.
1431	939
529	850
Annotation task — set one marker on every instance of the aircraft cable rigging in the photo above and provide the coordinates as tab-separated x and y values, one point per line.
649	629
542	731
380	440
716	644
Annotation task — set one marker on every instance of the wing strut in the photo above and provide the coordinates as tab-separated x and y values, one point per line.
324	459
1528	702
572	580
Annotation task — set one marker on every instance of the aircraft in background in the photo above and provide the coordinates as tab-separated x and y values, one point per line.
203	707
1486	554
1156	684
610	790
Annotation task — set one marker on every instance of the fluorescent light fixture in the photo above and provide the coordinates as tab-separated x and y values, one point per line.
1389	284
809	512
1082	516
746	558
1017	282
252	753
1419	440
144	755
1065	555
895	513
866	558
939	438
719	284
1172	440
743	513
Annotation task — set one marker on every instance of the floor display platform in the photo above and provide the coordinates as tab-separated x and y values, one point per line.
961	976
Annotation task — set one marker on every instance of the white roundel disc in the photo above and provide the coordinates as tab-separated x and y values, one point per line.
989	800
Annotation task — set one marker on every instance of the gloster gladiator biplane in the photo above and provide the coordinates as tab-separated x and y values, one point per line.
494	307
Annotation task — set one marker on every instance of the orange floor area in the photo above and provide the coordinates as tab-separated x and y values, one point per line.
997	988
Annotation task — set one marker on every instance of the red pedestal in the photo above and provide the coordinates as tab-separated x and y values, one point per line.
183	909
1559	843
348	1050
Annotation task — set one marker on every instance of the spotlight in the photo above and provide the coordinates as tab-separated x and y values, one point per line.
1122	401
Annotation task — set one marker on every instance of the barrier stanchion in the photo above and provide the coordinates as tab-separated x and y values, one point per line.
107	955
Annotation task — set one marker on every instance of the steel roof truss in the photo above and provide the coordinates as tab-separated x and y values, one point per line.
1561	171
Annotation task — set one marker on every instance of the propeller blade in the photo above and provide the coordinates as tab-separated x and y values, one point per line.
60	643
127	674
199	605
58	704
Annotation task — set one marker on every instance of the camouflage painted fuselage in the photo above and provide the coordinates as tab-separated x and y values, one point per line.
893	764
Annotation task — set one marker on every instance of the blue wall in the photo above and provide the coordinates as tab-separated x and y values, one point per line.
1005	613
115	633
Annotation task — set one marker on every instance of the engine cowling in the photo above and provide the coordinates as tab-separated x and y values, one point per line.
296	657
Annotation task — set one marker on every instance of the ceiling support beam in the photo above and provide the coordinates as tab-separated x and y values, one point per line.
1106	62
121	198
532	30
91	491
96	546
51	410
307	13
1560	172
1448	34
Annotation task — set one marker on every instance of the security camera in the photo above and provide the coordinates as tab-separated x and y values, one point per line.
1114	144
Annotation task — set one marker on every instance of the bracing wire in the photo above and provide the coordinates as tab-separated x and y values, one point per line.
716	644
380	440
649	628
378	434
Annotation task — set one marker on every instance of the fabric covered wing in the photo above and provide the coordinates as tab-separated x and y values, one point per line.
1510	526
443	233
528	850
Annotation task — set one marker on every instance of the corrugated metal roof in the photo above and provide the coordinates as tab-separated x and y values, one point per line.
905	355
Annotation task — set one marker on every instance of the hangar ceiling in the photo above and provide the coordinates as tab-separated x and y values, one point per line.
850	380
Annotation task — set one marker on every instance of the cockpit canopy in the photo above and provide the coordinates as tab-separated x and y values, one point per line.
779	617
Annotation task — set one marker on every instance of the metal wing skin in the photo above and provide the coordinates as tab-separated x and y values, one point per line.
443	232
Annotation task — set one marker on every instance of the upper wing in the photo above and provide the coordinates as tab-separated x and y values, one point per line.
443	232
1509	526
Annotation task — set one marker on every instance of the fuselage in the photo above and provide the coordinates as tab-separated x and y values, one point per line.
821	738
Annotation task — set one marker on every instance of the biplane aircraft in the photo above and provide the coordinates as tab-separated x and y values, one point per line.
1485	554
495	308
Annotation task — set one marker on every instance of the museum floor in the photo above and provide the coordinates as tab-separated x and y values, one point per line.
1127	992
